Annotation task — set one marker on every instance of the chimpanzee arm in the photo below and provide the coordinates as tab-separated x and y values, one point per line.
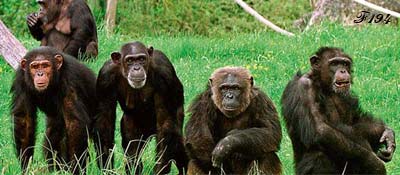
306	123
368	127
264	136
105	120
168	101
24	118
34	26
199	141
376	132
168	134
81	28
77	126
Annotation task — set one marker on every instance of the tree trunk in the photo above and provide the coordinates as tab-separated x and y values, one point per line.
10	48
110	15
343	11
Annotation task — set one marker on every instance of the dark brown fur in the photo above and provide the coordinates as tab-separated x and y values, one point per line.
252	136
329	131
155	108
69	104
67	25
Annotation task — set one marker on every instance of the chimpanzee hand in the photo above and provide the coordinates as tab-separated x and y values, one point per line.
32	19
390	143
221	151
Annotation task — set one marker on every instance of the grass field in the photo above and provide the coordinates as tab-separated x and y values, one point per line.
272	58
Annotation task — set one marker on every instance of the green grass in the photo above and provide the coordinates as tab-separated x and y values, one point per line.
172	17
272	58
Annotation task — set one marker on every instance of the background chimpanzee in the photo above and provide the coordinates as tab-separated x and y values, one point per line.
144	83
329	131
67	25
232	126
64	90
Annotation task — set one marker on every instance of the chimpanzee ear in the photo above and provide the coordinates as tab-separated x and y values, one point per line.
210	82
314	60
150	50
59	61
251	81
115	57
23	64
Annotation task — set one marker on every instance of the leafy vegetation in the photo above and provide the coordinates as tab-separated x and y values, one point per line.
173	17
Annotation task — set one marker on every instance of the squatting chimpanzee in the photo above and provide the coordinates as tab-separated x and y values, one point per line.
329	131
144	83
67	25
233	126
64	90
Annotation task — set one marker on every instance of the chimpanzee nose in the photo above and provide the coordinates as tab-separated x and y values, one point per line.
40	74
342	71
230	96
136	68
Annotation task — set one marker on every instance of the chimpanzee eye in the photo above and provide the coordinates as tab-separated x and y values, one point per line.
129	61
45	66
141	59
224	88
34	66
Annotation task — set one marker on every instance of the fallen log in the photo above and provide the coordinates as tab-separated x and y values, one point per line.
254	13
10	48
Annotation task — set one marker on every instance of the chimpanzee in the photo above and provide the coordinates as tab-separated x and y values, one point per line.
67	25
329	131
62	88
233	126
144	83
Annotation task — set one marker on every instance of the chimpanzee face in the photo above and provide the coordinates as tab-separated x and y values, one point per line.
49	10
134	60
231	90
334	68
41	70
340	70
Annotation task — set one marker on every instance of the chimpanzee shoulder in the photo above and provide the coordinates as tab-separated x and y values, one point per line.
165	78
81	78
79	11
262	101
19	84
73	68
162	66
203	104
295	96
19	91
108	74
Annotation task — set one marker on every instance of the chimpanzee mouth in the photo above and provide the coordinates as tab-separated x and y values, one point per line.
41	87
137	79
342	84
230	108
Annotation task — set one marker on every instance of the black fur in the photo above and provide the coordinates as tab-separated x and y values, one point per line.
329	131
68	102
144	115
